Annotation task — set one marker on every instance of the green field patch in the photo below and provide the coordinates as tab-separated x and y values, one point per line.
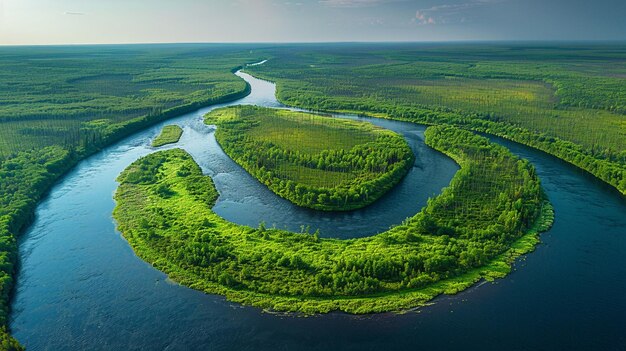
309	133
169	135
314	161
316	177
164	211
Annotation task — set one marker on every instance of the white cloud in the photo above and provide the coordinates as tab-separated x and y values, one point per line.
423	19
352	3
462	6
446	13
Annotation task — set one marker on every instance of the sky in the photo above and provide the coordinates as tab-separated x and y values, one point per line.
166	21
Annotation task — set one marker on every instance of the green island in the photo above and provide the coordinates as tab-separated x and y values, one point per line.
169	135
313	161
491	213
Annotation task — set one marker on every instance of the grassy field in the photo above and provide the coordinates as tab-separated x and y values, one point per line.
571	95
169	135
491	213
314	161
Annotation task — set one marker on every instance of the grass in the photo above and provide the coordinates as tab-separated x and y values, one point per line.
163	209
314	161
310	134
169	135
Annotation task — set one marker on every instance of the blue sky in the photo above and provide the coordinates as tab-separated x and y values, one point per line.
146	21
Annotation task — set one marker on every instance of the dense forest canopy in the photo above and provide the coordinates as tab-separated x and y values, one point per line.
78	97
314	161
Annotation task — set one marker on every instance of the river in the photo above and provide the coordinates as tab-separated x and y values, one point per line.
80	286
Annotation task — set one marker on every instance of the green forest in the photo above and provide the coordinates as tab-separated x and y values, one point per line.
567	101
169	135
313	161
491	212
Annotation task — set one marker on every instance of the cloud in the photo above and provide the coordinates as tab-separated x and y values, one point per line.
372	21
449	12
75	13
352	3
423	19
455	8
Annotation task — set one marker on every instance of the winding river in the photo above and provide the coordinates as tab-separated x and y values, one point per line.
80	287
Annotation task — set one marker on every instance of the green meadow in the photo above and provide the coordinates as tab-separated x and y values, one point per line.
169	135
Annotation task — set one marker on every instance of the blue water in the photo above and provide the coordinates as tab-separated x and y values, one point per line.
80	286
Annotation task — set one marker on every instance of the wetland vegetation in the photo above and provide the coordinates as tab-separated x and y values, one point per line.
169	135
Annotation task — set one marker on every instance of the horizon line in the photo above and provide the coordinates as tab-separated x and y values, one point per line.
451	41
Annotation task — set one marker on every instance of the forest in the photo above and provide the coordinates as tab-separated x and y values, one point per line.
169	135
567	101
314	161
491	212
82	96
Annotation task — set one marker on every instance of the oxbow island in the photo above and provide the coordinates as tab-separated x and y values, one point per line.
314	161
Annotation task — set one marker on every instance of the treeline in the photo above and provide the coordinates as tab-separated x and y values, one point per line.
341	175
462	235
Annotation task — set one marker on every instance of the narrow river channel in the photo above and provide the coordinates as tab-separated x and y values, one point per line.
80	287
